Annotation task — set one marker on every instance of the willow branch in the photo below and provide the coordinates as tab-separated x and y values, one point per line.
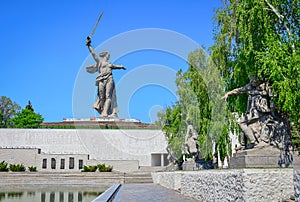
281	18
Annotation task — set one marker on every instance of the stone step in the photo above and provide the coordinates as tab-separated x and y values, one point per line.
95	178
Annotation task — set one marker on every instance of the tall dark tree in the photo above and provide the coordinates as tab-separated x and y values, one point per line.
8	109
27	118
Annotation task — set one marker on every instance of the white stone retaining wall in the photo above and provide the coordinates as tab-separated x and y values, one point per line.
171	180
32	157
297	183
118	165
133	145
231	185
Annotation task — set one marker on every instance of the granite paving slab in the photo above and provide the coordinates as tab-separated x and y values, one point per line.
150	192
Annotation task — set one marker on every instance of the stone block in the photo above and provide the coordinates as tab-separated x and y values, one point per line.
268	157
189	165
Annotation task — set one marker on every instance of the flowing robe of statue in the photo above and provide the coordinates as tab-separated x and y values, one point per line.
106	102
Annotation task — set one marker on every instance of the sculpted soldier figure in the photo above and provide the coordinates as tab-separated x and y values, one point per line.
106	103
191	141
261	125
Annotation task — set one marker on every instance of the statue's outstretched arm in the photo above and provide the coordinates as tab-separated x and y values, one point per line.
118	67
236	91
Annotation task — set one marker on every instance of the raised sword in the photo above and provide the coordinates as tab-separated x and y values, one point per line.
95	26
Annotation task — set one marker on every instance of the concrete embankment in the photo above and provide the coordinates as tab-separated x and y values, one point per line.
233	185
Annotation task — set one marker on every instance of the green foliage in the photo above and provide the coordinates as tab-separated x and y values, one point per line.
32	169
3	166
209	90
172	125
27	119
261	38
8	109
223	143
104	168
17	167
89	168
99	167
199	89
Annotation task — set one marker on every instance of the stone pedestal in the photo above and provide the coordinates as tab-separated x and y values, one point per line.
266	157
189	165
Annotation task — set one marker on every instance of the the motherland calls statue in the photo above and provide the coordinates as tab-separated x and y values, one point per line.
106	103
261	125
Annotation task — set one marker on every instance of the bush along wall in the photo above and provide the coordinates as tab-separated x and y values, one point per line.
99	167
17	167
3	167
32	169
89	169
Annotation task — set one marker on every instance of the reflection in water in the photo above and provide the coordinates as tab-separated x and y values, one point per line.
43	197
14	194
61	197
49	196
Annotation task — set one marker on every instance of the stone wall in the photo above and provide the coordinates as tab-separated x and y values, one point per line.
231	185
44	162
113	145
297	183
25	156
171	180
118	165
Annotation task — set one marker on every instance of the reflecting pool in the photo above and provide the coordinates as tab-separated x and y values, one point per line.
50	193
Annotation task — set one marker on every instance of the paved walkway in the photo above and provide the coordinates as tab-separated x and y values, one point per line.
148	193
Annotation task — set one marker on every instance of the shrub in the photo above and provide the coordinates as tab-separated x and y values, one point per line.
17	167
3	167
32	168
104	168
100	167
108	169
89	168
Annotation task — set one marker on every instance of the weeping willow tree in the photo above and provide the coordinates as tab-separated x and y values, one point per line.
261	38
194	99
199	90
170	121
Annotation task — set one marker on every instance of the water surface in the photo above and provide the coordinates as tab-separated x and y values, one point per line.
50	193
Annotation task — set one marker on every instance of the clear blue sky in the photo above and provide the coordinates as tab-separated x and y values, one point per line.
43	52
